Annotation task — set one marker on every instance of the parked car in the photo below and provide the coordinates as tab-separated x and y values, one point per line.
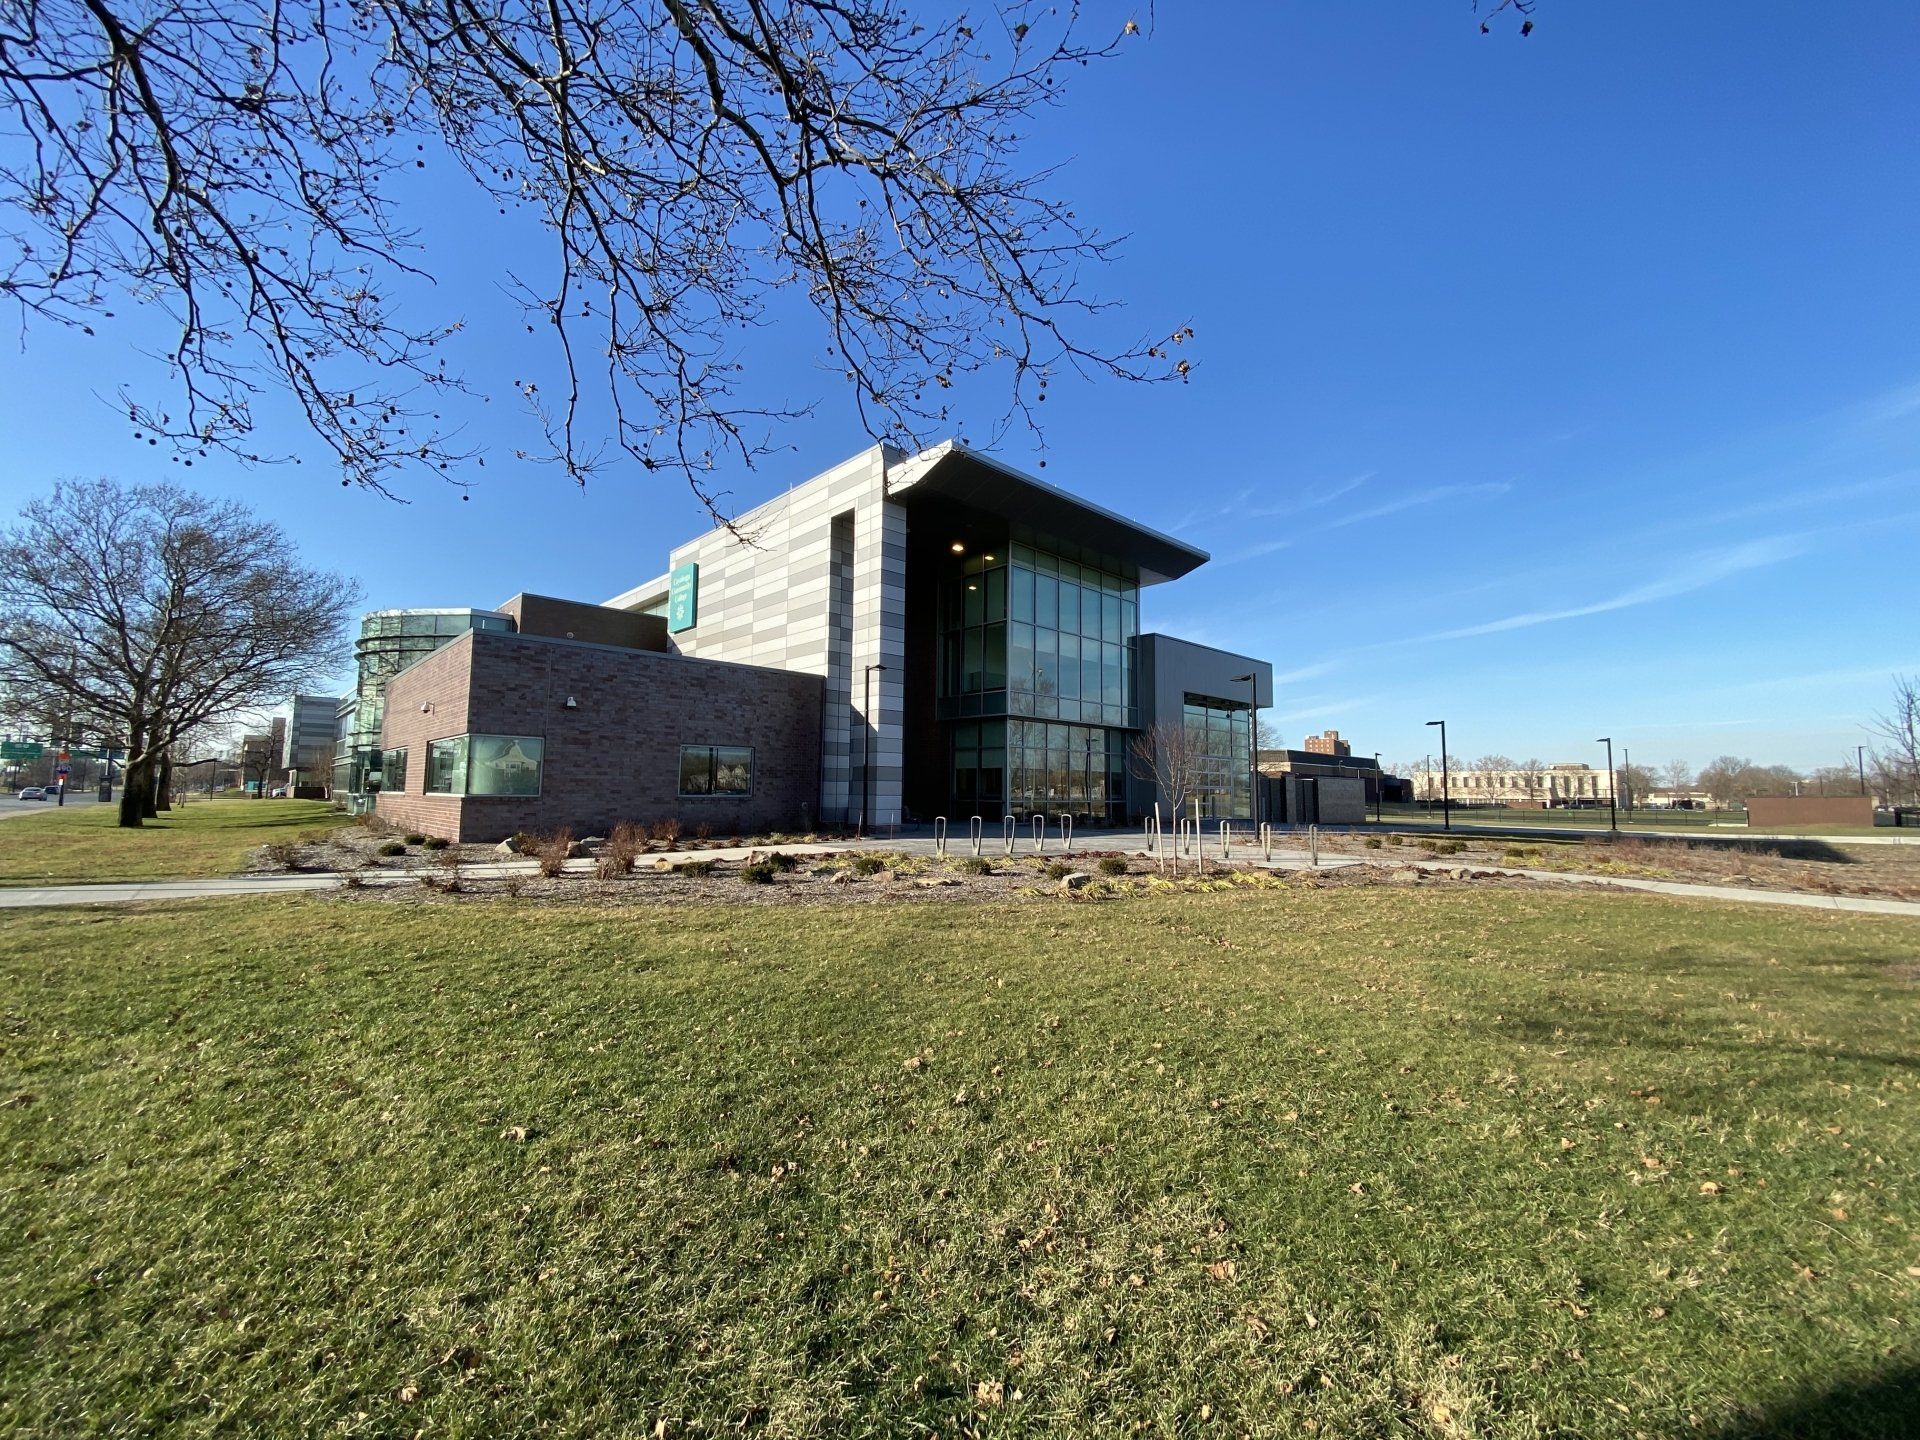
32	792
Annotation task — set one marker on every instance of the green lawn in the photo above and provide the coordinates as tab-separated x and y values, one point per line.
205	837
1316	1162
1706	822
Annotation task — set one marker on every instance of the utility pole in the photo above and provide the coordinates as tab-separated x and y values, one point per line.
1446	783
1378	788
1626	767
1613	816
1860	755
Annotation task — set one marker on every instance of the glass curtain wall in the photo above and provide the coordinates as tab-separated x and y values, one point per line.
1038	767
1218	741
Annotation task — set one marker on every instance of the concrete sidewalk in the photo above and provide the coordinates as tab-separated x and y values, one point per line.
131	892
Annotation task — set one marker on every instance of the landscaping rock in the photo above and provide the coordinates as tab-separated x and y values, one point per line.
929	882
508	846
1078	880
843	877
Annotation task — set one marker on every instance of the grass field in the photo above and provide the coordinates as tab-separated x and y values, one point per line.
205	837
1281	1163
1706	822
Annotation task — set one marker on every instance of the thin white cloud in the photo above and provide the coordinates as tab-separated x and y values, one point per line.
1707	570
1418	498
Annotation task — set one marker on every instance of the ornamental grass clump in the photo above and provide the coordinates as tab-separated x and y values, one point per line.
551	852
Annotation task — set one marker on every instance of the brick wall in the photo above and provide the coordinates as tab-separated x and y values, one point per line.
1767	811
595	624
614	756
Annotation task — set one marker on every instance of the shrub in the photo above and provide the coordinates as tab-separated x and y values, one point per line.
866	864
513	886
973	865
667	830
1396	840
416	839
1372	842
1058	870
1113	865
392	847
280	855
551	852
760	873
782	862
353	880
623	847
698	869
703	831
435	842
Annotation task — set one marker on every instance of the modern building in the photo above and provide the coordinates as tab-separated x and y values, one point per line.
310	739
902	637
390	641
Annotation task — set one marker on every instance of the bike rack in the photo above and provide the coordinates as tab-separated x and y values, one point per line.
1064	823
1039	834
1266	842
975	832
939	834
1313	845
1226	839
1009	828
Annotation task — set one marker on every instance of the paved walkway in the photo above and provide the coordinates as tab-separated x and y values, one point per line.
129	892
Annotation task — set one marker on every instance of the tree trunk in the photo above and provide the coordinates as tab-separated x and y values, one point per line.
135	790
163	788
151	779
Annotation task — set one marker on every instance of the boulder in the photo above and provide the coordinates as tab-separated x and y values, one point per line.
842	877
1079	880
929	882
508	846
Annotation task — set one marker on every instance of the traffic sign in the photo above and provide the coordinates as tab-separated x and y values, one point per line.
21	750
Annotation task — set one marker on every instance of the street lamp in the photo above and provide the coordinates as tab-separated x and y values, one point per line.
1613	816
866	745
1860	755
1253	745
1378	788
1446	785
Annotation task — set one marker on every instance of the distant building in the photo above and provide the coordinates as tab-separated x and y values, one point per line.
1548	787
309	743
1328	742
260	755
1331	764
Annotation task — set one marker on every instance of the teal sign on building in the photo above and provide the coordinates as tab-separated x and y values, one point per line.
683	597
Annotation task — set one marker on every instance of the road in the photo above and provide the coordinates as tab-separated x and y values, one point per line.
10	807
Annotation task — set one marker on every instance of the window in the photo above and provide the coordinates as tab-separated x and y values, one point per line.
720	770
393	771
447	766
504	764
484	765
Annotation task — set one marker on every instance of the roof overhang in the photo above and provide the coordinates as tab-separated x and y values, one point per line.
960	476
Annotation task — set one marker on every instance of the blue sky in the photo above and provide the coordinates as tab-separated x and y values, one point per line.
1559	387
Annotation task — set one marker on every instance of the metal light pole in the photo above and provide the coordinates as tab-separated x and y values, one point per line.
866	746
1446	784
1860	755
1253	746
1626	768
1378	788
1613	818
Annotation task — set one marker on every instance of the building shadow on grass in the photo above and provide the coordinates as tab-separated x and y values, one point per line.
1882	1407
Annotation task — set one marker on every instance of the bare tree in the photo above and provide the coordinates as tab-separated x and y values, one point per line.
682	163
1678	774
1169	756
1637	782
1533	772
149	611
1896	752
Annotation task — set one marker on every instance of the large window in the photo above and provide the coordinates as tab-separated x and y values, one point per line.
720	770
1027	632
485	765
504	764
1219	745
393	771
447	766
1029	767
